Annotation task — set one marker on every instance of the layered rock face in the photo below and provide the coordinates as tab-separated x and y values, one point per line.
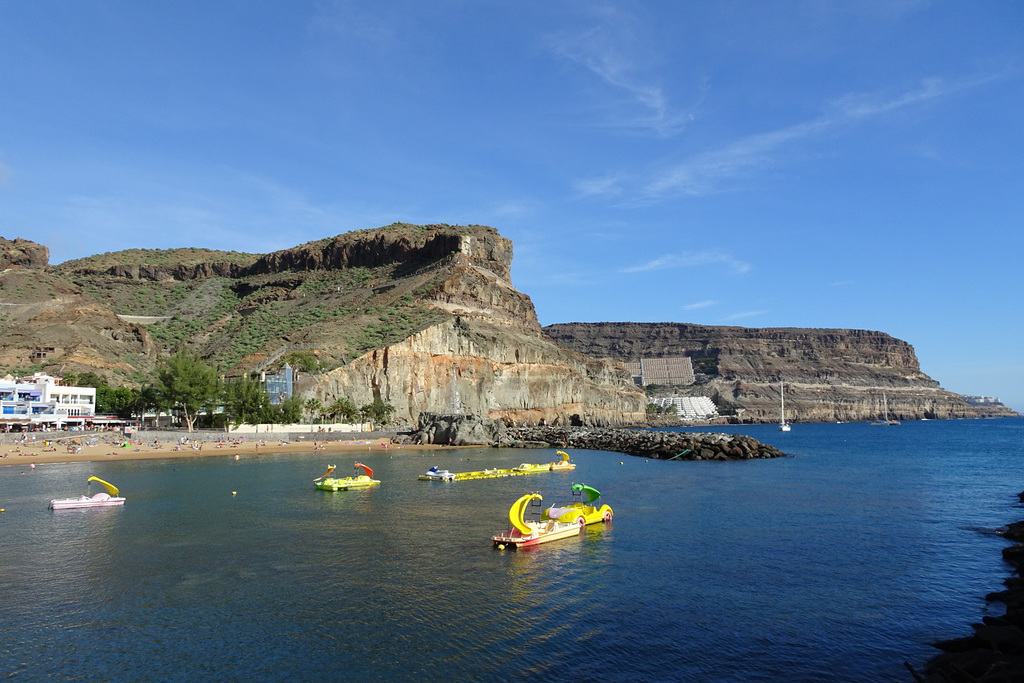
480	246
829	374
474	366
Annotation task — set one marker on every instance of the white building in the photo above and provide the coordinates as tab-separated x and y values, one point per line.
689	407
40	401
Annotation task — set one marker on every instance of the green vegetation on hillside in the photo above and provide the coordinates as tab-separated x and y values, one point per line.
188	256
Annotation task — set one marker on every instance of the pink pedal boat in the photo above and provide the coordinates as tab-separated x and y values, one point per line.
99	500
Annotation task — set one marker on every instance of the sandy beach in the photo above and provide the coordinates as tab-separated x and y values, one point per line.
41	451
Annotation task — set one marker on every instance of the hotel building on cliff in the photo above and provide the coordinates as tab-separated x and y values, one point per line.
671	371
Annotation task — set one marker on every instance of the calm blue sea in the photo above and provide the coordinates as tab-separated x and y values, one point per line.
836	564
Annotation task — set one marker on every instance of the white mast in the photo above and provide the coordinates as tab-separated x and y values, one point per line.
783	426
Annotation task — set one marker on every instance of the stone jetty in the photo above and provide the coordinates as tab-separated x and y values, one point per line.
994	653
645	443
468	430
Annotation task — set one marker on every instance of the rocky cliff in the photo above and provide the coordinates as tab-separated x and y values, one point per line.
829	374
426	319
422	317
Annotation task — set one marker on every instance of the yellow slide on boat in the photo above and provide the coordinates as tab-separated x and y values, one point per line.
111	489
515	513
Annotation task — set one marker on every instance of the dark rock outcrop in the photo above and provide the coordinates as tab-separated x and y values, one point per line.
412	246
458	430
655	445
22	253
994	653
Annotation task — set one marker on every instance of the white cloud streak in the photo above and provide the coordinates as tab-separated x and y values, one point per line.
744	314
699	304
610	51
6	174
694	259
707	172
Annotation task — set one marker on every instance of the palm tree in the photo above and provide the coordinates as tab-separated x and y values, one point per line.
343	408
314	407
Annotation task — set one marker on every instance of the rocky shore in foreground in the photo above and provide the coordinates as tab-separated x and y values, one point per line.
995	652
649	444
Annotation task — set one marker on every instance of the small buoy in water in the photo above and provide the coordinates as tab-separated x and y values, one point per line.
233	493
501	546
2	510
236	456
621	463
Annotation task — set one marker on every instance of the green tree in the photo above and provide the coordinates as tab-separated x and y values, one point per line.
378	412
149	398
304	360
120	401
187	384
344	409
90	379
246	401
314	407
291	410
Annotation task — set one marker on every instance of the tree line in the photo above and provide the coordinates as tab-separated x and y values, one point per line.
192	390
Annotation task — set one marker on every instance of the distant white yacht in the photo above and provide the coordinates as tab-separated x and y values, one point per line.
885	421
783	425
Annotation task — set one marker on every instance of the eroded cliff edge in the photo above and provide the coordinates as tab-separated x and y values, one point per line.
829	374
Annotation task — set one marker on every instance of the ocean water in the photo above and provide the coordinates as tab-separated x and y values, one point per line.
836	564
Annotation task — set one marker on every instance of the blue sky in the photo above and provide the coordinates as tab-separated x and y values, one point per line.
804	164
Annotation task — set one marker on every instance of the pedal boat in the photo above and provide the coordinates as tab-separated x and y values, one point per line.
103	499
465	476
527	533
589	510
434	474
362	481
563	464
529	468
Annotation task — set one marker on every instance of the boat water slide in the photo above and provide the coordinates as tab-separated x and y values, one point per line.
516	512
366	469
592	493
111	489
330	468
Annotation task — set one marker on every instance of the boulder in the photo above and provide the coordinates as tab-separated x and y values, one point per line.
458	430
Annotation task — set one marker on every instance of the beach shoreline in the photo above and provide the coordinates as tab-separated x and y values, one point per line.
37	452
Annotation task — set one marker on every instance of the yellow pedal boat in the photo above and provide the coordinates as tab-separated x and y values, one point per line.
563	464
527	533
588	509
362	481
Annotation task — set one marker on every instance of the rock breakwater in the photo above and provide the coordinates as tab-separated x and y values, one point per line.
995	651
651	444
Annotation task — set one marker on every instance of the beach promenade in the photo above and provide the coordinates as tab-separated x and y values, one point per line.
101	446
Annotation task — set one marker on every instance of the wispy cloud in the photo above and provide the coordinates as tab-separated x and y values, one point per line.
609	185
699	304
744	314
6	173
612	51
693	259
709	171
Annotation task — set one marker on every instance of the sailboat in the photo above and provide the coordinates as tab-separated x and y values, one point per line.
885	421
783	425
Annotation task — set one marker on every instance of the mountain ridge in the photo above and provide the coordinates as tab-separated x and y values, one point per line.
424	317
